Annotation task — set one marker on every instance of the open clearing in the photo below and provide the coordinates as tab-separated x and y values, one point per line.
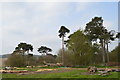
59	73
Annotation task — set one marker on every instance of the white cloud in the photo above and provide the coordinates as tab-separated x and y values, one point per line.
31	23
18	18
80	6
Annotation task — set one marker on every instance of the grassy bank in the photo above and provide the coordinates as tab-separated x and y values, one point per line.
68	74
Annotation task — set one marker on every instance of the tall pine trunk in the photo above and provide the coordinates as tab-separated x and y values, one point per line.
63	50
107	53
103	52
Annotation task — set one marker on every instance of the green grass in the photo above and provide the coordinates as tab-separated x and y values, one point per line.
70	74
28	69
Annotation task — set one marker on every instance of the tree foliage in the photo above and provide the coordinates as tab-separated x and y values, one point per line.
63	30
96	31
81	48
22	48
44	50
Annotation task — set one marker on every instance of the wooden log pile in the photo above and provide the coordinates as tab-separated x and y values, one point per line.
92	69
12	71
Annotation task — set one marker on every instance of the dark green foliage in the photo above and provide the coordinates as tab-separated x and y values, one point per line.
25	46
95	29
22	48
62	31
44	50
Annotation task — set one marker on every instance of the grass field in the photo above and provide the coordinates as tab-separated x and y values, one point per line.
61	73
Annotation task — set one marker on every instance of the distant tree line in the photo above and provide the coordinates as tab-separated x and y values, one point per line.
83	47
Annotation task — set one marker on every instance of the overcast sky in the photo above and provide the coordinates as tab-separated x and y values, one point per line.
37	23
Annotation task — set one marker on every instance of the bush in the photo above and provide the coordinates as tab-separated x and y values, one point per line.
19	60
15	61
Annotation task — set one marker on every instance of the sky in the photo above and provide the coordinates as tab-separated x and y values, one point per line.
37	23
